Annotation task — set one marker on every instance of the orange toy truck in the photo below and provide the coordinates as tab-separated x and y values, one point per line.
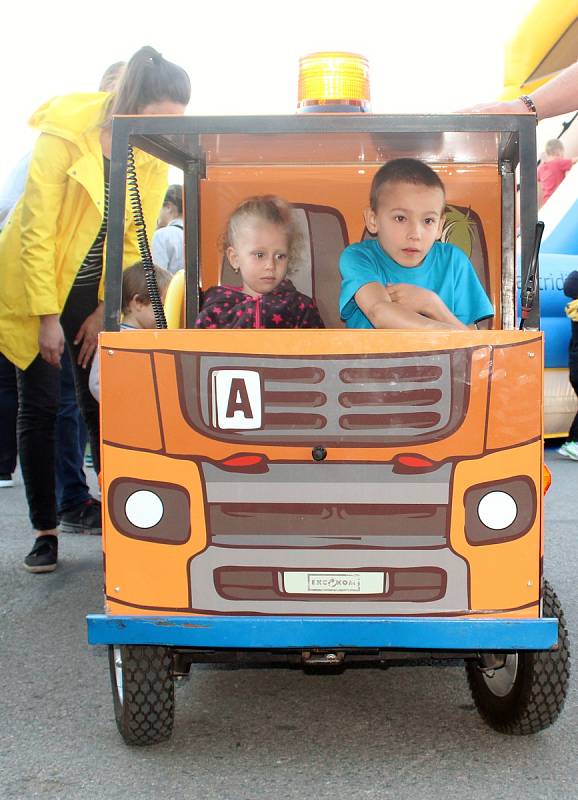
318	496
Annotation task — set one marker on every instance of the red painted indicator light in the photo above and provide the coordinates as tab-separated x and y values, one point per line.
246	461
412	462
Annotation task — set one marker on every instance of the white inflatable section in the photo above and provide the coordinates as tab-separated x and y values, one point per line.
560	403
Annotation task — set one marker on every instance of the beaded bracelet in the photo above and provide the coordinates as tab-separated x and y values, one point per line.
529	103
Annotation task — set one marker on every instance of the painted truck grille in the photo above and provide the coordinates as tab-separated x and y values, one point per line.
327	506
296	519
371	400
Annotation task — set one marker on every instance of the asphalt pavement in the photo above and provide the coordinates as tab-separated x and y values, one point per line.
257	734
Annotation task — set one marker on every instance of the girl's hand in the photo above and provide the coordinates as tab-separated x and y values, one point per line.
51	339
88	335
416	298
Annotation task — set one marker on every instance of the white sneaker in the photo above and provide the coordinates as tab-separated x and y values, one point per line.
6	481
569	450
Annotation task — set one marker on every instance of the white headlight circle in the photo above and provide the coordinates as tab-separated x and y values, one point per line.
497	510
144	509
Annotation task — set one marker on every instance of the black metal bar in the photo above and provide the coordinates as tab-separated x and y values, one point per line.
508	297
191	186
162	149
509	149
530	287
115	226
325	123
528	208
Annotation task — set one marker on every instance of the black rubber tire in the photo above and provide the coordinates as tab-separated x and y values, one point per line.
539	687
145	711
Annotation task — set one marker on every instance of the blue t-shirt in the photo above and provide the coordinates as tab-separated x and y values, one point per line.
446	270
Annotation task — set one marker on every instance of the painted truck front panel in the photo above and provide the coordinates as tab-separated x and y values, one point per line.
426	500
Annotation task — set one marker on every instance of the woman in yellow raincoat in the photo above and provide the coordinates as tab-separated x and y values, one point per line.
51	263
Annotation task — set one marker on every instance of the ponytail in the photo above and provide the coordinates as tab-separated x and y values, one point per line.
148	78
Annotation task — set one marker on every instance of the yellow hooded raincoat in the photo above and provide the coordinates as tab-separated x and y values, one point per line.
58	217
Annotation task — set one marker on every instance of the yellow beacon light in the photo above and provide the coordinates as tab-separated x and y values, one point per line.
333	81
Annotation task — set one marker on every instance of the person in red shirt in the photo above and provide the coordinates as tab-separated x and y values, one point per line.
553	169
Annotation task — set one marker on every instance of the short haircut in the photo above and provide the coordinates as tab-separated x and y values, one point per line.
134	284
174	195
554	146
403	170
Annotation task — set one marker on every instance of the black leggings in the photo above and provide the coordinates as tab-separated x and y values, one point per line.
39	399
573	433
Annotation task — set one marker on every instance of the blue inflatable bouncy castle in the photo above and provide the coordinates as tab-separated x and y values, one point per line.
558	258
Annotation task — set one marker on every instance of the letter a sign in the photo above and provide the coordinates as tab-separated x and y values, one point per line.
236	399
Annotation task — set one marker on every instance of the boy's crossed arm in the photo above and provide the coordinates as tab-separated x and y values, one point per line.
402	305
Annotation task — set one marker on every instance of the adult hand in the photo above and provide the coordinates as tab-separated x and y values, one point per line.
88	335
516	106
51	339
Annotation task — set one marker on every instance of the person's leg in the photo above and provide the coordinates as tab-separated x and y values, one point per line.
573	433
8	412
71	486
88	405
82	301
39	397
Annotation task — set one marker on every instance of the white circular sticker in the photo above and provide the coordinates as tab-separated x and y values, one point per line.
144	509
497	510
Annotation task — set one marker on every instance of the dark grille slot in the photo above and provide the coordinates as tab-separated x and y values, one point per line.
397	374
417	397
354	524
246	584
292	374
352	422
309	399
412	585
310	422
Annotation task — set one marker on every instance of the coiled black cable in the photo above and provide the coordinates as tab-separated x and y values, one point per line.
142	241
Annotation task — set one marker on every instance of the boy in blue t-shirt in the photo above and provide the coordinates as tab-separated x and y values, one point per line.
406	278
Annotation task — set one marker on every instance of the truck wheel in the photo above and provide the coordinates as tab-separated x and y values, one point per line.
523	692
143	692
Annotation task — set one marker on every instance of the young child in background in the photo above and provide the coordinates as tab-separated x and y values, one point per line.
405	278
168	246
553	169
137	309
259	242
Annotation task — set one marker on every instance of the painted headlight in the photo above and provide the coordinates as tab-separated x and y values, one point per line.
150	510
500	511
144	509
497	510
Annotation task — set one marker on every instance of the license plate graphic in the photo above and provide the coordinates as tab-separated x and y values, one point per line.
334	582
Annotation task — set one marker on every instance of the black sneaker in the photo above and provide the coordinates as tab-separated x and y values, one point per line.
44	555
85	518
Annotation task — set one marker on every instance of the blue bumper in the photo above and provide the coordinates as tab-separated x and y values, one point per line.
282	633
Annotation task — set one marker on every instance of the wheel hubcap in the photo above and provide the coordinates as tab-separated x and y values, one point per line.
501	680
118	673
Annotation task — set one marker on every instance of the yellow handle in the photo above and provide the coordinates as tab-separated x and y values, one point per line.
175	301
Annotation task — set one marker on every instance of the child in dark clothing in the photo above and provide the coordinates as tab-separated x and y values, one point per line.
259	240
570	447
